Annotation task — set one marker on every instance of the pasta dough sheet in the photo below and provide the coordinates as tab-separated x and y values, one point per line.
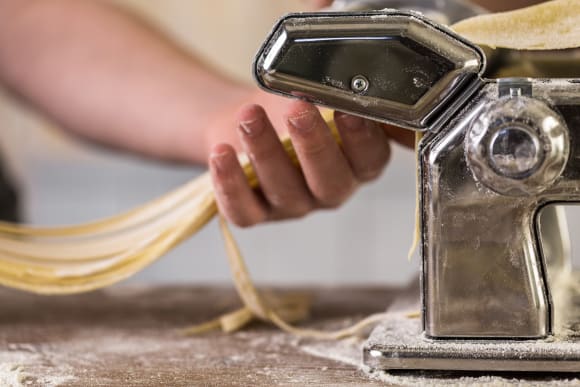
548	26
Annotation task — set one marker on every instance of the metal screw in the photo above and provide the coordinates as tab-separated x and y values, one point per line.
359	84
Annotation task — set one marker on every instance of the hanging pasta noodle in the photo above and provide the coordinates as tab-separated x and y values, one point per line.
65	260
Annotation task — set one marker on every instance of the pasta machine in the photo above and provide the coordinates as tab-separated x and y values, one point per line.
496	158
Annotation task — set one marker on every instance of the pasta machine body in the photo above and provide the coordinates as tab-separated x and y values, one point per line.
496	157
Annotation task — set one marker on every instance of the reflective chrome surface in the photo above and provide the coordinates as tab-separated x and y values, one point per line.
406	67
484	273
495	158
445	12
517	145
397	344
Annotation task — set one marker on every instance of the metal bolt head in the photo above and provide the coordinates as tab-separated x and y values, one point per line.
359	84
515	152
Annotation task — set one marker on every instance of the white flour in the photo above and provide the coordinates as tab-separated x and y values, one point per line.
15	375
350	352
11	375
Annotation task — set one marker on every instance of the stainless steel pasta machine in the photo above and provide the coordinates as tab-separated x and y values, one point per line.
496	157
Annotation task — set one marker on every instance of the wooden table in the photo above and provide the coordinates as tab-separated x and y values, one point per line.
129	336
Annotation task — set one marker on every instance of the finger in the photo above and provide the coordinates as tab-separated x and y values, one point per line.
281	181
236	199
365	145
317	4
402	136
326	169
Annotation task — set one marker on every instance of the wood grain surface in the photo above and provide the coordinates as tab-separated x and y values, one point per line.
130	336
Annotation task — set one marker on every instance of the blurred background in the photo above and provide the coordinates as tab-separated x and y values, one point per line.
63	180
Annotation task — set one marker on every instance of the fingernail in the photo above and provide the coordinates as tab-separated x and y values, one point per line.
351	122
219	161
251	128
303	122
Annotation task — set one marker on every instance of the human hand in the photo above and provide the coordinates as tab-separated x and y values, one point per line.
329	173
317	4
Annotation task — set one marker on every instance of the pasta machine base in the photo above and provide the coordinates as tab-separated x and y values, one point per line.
398	343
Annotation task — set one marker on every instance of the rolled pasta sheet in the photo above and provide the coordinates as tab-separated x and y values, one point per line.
548	26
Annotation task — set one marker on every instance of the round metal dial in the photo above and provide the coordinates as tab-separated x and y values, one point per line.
515	151
517	146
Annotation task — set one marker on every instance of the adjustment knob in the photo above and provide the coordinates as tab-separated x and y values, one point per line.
517	146
515	151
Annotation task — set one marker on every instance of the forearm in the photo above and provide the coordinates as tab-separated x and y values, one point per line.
108	77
